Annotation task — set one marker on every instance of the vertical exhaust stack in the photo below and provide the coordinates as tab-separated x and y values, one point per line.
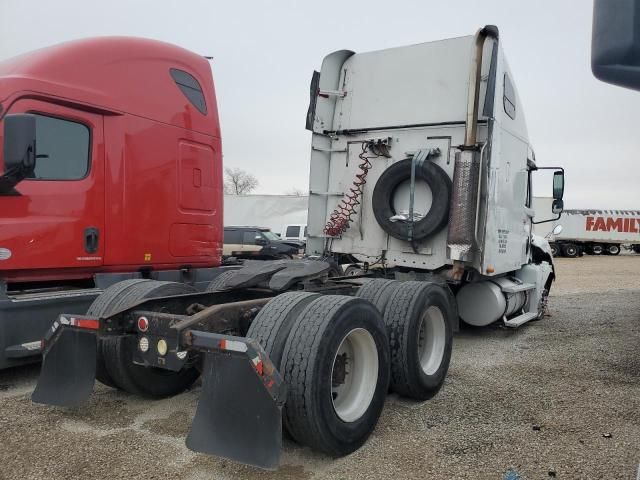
461	245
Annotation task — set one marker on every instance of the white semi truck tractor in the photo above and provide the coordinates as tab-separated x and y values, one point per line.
420	165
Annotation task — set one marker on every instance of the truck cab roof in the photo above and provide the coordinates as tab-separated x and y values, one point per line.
112	75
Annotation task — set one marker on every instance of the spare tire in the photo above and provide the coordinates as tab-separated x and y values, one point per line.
383	193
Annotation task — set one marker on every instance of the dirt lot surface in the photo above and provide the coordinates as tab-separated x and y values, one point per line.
558	398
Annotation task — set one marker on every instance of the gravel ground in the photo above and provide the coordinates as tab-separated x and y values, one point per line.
558	398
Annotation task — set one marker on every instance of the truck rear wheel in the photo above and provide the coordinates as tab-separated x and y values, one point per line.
378	291
272	325
115	354
336	365
596	249
613	249
554	249
352	271
219	283
113	298
419	318
570	250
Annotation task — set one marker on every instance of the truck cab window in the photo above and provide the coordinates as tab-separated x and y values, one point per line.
191	89
509	99
66	146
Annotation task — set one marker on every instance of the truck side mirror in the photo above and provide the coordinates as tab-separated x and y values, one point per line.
557	230
20	142
615	44
19	151
558	185
557	207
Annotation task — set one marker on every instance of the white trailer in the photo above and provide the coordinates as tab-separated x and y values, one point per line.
594	232
421	163
274	212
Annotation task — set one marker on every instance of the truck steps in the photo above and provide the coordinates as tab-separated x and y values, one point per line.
514	288
520	319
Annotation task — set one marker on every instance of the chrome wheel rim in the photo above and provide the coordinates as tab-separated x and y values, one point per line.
354	375
431	340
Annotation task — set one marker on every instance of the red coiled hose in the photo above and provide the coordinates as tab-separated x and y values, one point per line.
342	216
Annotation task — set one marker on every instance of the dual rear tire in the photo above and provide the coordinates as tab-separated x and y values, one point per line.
613	249
418	317
333	353
339	355
570	250
114	364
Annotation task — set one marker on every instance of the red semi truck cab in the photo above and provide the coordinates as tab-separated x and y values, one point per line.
128	174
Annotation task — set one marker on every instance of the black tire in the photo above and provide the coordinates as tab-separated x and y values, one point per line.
111	299
555	251
383	193
273	323
352	271
335	270
117	353
308	368
219	283
636	248
403	317
613	249
378	291
596	249
570	250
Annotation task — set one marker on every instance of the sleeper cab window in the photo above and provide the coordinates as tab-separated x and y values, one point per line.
509	99
191	89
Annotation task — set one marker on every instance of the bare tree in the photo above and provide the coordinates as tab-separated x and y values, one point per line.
238	181
298	192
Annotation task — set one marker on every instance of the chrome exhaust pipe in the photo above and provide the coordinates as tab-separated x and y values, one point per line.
461	245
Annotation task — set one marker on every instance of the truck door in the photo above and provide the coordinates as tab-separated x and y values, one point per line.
57	220
250	243
508	224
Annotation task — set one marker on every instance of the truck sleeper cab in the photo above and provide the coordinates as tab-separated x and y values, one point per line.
124	181
437	180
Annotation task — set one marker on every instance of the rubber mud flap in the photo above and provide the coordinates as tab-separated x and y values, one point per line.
68	369
236	417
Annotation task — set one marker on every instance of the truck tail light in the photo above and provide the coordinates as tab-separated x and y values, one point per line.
143	324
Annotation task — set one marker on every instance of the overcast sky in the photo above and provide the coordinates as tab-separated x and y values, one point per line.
264	53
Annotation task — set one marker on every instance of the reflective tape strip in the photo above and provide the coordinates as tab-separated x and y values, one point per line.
90	324
258	365
232	345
